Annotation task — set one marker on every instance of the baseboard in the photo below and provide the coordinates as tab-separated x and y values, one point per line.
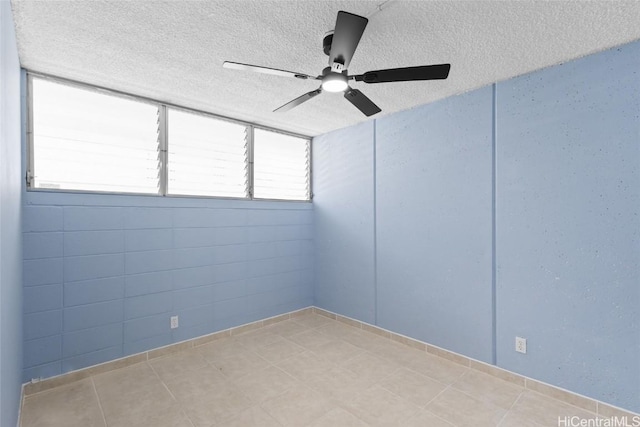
594	406
70	377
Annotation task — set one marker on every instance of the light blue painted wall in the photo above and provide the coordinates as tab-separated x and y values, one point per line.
344	220
434	210
104	273
10	222
568	235
564	166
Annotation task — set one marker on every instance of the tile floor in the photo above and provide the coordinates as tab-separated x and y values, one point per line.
305	371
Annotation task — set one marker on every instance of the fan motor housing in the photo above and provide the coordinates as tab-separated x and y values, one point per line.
327	70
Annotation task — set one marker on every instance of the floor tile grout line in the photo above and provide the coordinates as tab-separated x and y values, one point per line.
162	382
437	395
563	402
416	371
440	418
485	402
95	391
269	415
522	391
515	402
286	373
182	409
428	377
379	384
302	384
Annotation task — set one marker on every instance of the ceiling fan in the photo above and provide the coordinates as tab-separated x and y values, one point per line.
340	47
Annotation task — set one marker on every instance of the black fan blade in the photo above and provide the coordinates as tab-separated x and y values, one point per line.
425	72
265	70
346	36
361	102
299	100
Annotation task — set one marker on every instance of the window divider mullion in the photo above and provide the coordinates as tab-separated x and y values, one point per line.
163	148
30	148
250	149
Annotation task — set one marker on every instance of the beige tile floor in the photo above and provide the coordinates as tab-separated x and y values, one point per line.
305	371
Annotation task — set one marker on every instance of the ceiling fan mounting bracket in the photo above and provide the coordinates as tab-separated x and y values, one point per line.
326	43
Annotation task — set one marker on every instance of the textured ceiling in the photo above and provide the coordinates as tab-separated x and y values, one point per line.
173	50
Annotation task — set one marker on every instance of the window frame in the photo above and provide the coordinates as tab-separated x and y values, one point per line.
309	160
164	143
95	89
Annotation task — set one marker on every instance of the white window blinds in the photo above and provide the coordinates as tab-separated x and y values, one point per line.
90	139
281	166
207	157
86	140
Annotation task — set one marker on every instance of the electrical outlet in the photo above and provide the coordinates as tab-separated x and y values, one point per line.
174	322
521	345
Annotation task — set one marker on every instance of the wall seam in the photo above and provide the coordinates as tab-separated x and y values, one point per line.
375	228
63	231
494	355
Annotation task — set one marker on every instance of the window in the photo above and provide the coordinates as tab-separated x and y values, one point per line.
88	139
207	157
281	166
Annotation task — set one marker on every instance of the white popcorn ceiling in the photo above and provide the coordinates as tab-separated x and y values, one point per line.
173	50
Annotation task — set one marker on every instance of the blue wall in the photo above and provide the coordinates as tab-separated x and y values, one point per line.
104	273
10	222
343	183
510	210
434	186
568	229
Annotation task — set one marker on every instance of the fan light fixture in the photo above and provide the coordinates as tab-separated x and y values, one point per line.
340	45
334	82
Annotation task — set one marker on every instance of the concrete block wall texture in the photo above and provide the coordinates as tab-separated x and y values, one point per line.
568	224
433	210
103	274
509	210
344	257
10	222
